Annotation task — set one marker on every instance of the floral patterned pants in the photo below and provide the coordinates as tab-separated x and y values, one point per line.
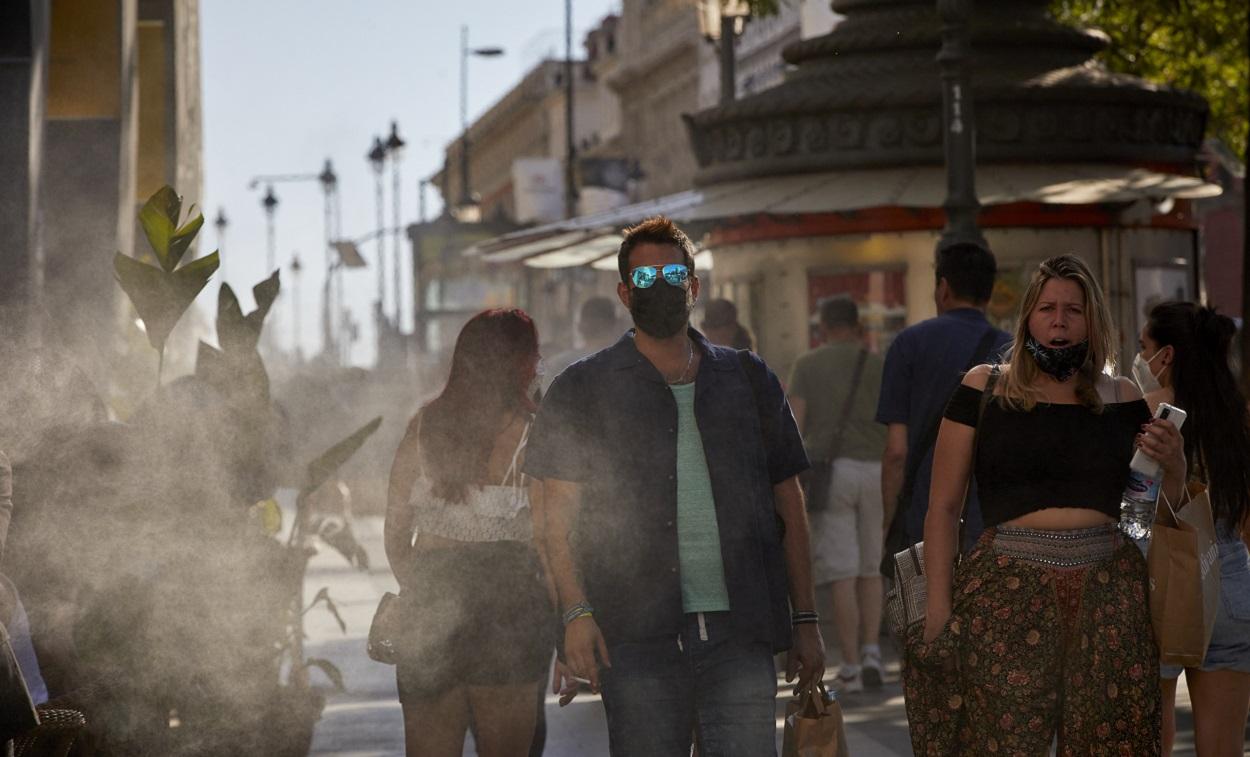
1034	650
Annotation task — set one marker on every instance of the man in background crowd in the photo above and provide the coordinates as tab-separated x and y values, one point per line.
597	327
833	393
922	368
720	326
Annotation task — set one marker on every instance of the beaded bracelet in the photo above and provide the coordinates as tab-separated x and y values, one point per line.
579	610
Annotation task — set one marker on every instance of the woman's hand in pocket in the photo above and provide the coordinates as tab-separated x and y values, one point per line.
935	619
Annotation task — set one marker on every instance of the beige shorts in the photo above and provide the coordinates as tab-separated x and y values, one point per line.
846	535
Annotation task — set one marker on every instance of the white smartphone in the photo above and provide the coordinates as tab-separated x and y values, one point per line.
1145	463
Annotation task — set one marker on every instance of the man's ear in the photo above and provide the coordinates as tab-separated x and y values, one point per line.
695	284
942	292
622	294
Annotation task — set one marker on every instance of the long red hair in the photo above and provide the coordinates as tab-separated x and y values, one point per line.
492	369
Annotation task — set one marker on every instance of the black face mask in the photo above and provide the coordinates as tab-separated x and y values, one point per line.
1060	363
662	310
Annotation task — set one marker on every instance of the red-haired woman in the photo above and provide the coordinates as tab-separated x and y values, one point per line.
480	634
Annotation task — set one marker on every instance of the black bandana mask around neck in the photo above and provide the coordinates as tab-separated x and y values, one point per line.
662	310
1060	363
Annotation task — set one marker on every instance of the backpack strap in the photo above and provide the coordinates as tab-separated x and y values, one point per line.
928	435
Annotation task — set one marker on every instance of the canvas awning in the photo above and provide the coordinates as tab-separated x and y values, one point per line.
925	187
592	239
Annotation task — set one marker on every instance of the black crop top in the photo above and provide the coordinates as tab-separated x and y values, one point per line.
1057	455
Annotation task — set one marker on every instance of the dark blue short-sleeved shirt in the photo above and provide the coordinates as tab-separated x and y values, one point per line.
923	367
609	423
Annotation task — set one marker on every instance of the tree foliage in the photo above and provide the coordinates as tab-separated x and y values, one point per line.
1199	45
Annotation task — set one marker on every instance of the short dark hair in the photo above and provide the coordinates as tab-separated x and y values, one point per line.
597	318
656	230
599	310
838	311
969	269
719	313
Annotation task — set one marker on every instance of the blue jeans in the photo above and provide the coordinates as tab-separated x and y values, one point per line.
706	681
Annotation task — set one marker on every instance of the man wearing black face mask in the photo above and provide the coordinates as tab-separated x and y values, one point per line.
673	464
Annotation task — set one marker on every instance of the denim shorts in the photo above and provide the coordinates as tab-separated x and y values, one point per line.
1230	640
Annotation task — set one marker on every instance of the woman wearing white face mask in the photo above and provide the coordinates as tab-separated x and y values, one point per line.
1147	376
1184	361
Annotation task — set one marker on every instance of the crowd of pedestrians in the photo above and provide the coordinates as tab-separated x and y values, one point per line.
655	517
664	512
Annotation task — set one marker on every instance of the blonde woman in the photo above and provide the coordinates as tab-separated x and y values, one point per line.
1046	620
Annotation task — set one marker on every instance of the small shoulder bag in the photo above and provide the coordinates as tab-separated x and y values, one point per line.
905	602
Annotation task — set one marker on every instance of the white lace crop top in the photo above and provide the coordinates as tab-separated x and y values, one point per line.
489	513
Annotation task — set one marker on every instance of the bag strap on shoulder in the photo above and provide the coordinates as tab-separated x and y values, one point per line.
986	395
840	432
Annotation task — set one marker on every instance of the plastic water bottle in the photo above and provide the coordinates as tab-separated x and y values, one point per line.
1138	503
1145	479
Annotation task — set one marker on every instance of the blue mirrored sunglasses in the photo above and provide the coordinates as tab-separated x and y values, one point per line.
645	276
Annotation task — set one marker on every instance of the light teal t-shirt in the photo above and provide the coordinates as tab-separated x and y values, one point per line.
698	538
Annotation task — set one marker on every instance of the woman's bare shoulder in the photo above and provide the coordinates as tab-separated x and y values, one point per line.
979	376
1118	389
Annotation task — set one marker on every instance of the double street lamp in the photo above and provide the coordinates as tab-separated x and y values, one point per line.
393	149
329	188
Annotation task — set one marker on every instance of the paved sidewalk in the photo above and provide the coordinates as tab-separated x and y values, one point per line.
366	720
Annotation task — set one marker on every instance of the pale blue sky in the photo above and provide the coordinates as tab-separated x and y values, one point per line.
288	83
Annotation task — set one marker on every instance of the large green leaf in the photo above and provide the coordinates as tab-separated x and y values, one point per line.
330	461
181	240
232	328
265	293
159	296
236	332
159	218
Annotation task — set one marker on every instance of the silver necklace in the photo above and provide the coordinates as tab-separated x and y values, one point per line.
689	360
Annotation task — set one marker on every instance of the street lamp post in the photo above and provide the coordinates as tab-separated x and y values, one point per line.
395	149
329	186
721	21
466	195
295	308
570	146
270	204
220	224
959	130
377	161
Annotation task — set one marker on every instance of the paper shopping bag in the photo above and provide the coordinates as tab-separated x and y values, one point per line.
1184	565
813	725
